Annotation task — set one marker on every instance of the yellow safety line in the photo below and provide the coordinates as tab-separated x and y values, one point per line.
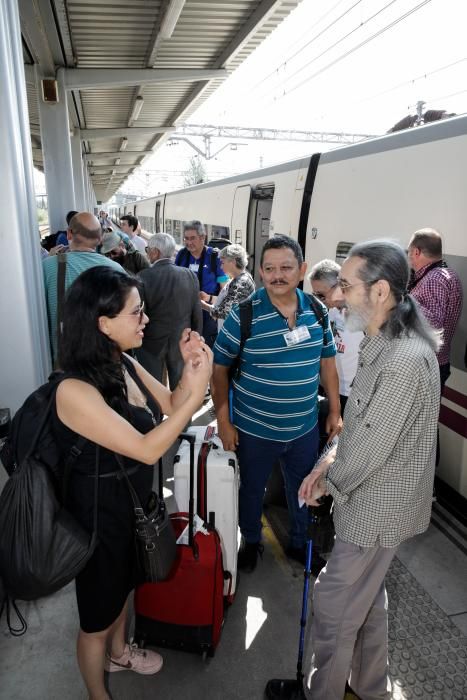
274	544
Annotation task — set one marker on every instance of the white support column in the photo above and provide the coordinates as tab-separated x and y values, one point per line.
58	165
24	350
87	198
78	180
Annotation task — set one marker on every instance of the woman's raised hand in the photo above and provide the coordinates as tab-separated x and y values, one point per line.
190	342
197	371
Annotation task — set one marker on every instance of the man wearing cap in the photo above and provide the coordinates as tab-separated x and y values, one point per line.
114	248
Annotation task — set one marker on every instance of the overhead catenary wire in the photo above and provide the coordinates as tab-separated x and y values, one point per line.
310	41
333	46
356	48
411	81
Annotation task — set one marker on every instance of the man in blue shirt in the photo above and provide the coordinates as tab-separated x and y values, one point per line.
204	262
286	356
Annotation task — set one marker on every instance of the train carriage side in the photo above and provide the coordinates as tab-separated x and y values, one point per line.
149	212
390	187
247	208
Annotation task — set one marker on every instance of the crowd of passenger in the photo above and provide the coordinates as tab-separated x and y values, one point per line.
146	330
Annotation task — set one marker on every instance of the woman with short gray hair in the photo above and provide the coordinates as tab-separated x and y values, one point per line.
234	260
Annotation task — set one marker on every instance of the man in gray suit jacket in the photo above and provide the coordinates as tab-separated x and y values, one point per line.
171	297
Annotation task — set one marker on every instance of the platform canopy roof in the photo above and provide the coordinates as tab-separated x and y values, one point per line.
135	69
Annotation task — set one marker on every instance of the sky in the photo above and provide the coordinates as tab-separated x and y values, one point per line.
354	66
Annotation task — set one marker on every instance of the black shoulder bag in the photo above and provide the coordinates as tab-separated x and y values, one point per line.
156	545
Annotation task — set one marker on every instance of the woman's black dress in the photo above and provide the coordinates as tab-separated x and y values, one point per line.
103	585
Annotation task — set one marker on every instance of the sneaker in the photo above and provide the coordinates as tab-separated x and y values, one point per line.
299	554
135	659
248	556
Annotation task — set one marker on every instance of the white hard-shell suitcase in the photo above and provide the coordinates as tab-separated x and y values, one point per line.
220	492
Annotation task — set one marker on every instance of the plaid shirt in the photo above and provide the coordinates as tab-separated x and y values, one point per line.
439	294
382	477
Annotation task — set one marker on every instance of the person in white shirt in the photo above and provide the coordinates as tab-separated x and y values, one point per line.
129	225
324	278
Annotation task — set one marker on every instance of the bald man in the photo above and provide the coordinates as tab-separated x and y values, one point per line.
84	234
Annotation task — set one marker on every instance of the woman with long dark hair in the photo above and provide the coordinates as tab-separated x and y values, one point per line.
117	406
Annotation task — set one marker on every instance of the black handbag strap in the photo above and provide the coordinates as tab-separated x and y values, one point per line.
138	508
153	405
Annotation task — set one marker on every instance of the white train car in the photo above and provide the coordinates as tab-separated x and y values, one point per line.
385	187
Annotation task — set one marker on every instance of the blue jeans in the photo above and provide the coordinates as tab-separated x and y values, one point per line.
256	458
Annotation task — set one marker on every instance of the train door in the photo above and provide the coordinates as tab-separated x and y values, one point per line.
157	217
259	226
240	209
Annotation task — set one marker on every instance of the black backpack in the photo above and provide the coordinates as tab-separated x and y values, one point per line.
183	260
42	547
246	318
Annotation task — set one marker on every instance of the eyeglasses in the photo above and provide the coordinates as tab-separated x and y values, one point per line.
137	313
345	285
190	239
322	296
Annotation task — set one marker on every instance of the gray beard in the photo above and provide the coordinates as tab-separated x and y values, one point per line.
356	320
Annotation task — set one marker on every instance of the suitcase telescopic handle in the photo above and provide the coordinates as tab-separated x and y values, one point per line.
191	439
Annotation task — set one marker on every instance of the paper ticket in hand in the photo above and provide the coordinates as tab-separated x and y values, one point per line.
324	452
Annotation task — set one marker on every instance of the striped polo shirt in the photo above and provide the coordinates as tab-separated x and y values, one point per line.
275	397
77	261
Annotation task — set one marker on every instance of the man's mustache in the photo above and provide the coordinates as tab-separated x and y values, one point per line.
278	282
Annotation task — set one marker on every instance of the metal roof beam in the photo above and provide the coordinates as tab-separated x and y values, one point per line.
102	169
97	78
90	134
263	12
115	154
35	33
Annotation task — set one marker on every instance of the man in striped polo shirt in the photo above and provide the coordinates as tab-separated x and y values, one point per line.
286	356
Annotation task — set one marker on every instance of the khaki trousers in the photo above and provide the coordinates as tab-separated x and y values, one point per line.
350	624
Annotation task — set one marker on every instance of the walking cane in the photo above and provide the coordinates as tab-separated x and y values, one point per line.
292	688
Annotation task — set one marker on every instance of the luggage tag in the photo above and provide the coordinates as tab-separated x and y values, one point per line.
198	526
296	336
194	267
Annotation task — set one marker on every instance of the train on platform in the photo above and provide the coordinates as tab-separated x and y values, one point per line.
384	187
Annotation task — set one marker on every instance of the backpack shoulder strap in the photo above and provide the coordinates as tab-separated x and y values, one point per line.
320	312
246	318
214	258
184	257
61	272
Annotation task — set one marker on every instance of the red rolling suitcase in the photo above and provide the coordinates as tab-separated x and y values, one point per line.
186	611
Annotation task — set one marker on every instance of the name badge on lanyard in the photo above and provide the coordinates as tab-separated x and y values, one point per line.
194	267
296	336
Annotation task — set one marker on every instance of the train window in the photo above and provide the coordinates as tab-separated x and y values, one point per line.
147	223
219	231
168	225
177	232
342	251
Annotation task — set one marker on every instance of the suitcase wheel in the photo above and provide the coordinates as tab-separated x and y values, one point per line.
208	653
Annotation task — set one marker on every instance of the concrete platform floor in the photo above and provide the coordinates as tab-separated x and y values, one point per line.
428	646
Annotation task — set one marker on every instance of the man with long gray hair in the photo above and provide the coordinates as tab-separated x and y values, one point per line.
381	476
171	297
